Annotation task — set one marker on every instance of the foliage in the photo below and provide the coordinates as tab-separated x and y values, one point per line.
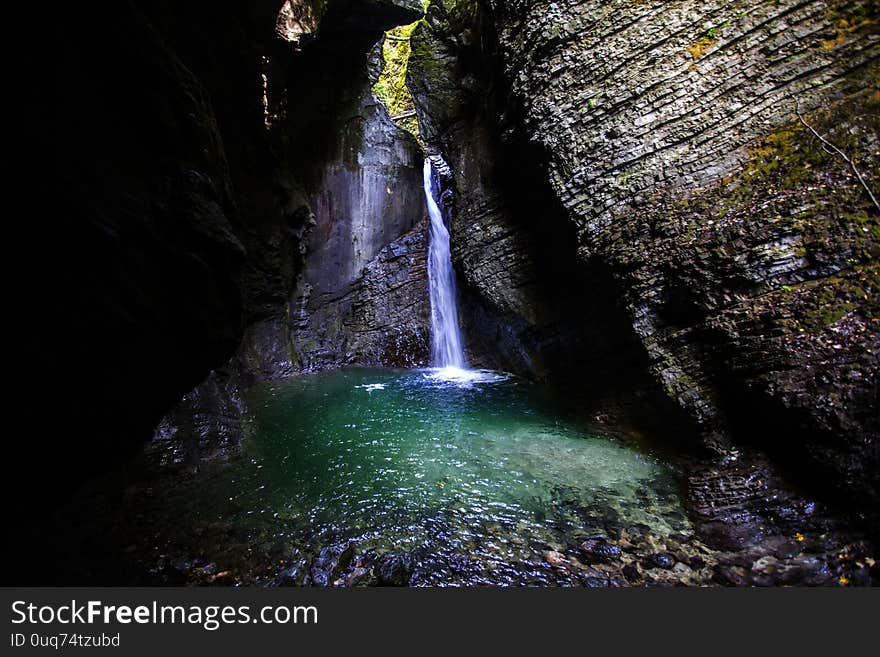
848	18
391	87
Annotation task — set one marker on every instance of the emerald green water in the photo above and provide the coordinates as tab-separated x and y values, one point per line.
478	480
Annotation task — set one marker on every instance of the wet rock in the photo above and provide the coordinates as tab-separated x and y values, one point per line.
223	578
807	570
766	565
395	569
598	550
555	559
329	562
632	573
360	577
682	570
696	562
729	576
204	572
292	576
781	547
660	560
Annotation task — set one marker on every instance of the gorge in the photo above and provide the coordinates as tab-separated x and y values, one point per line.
648	227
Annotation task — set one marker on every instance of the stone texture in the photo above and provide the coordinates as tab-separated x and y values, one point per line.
339	275
379	319
666	132
362	284
764	534
529	304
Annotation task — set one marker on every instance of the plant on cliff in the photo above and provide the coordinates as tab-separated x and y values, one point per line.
701	46
391	89
831	149
849	18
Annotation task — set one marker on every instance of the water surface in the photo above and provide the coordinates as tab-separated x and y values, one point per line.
477	475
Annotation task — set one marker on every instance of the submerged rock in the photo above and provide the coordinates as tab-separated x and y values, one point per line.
660	560
395	569
599	550
329	563
555	559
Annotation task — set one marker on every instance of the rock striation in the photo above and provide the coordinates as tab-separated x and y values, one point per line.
338	275
742	248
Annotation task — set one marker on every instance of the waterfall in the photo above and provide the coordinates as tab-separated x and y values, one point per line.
446	350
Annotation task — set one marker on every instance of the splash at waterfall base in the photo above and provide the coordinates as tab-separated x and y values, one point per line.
447	352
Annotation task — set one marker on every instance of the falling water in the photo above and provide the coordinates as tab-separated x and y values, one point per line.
446	350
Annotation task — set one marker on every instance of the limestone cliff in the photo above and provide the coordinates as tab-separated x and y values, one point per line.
363	295
744	252
338	274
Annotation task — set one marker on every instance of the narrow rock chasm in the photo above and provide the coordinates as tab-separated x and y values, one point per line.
663	233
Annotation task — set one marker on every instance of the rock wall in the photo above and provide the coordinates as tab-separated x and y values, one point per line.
341	277
137	289
744	253
529	304
364	285
186	138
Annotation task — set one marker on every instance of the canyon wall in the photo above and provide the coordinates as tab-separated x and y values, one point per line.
363	294
189	143
743	250
637	209
138	288
339	276
530	305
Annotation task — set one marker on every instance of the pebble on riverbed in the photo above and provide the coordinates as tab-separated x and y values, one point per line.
660	560
555	559
599	550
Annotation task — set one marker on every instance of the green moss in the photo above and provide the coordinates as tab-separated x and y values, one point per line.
391	87
838	296
422	57
791	200
700	47
849	18
791	175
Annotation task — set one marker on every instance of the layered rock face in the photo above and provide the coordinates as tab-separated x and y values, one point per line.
341	274
529	304
745	254
363	296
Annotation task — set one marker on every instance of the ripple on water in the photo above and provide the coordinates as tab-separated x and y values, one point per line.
472	471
